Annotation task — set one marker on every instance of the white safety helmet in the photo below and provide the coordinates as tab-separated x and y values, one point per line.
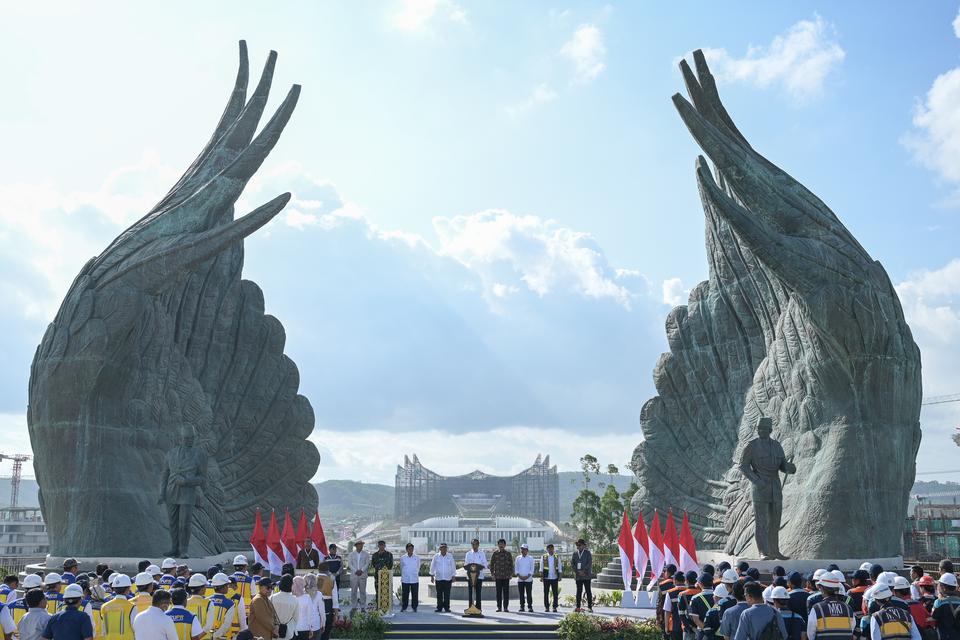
882	592
901	583
768	594
887	577
837	575
729	576
830	581
120	580
31	581
143	579
240	560
73	591
168	563
948	579
153	570
866	566
817	574
780	593
219	580
197	580
51	579
720	591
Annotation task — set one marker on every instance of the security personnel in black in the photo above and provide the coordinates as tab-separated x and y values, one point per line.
797	594
700	604
891	622
711	623
664	586
683	603
831	618
70	623
671	607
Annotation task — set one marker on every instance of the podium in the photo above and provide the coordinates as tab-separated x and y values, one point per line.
473	571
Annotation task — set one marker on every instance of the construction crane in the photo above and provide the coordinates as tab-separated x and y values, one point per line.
18	460
954	397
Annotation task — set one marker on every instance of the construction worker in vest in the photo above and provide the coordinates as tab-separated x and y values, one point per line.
243	579
86	603
701	603
51	587
793	622
224	608
168	573
683	605
70	623
663	586
946	608
860	581
154	572
870	604
240	618
8	590
145	588
671	607
7	625
197	604
116	615
187	625
831	618
891	622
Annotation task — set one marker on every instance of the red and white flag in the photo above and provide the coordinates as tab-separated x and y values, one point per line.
259	541
319	540
288	540
641	549
688	547
274	546
657	560
303	531
671	542
625	542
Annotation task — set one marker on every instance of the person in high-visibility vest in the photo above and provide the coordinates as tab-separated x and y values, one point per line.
168	570
224	609
889	622
187	625
831	618
51	587
116	615
243	579
240	617
19	608
8	590
145	588
70	623
197	604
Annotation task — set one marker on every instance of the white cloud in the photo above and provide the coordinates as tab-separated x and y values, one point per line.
585	49
500	451
928	299
673	292
935	140
541	94
956	25
415	16
799	60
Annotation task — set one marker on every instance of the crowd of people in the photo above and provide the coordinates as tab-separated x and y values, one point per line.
733	603
168	602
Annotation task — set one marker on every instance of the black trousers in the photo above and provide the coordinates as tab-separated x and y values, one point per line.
503	593
581	586
526	594
548	586
473	593
328	618
408	590
443	594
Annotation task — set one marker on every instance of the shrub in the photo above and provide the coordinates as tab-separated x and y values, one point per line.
365	625
579	626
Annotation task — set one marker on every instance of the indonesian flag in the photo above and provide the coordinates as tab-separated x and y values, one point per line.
657	560
319	540
625	542
671	543
303	532
259	541
641	548
688	548
274	547
288	540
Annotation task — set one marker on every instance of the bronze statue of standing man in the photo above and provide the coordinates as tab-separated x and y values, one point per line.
761	462
183	476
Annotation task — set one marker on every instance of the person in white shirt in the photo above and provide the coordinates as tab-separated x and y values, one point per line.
475	556
308	616
317	614
154	623
523	567
359	561
551	568
442	570
286	606
409	579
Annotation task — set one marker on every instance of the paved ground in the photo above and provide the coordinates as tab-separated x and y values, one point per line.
425	613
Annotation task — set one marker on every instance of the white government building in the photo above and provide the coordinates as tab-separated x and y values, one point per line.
458	531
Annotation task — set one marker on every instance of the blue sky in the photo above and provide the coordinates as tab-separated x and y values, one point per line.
494	204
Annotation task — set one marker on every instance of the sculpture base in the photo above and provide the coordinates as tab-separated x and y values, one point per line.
803	565
129	565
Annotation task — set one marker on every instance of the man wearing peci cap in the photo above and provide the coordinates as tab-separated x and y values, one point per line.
551	570
582	563
409	579
262	621
523	568
442	570
831	618
946	608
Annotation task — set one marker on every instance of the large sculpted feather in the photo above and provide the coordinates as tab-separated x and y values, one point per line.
797	322
160	331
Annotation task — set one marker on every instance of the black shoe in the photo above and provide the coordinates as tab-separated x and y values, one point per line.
437	610
522	609
590	609
414	609
402	609
555	610
498	609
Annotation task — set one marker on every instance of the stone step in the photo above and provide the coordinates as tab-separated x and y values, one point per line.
474	630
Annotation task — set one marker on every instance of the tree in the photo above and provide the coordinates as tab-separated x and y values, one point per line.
589	465
597	516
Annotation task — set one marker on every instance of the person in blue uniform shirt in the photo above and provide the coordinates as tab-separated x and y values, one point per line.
71	623
946	608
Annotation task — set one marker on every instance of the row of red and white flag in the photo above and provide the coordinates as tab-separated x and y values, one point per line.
658	549
275	548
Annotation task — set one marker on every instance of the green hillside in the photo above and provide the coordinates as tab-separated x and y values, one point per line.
341	499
